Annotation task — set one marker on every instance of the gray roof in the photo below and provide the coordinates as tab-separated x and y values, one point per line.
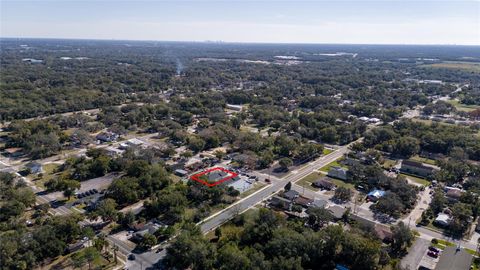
291	194
216	175
337	211
453	258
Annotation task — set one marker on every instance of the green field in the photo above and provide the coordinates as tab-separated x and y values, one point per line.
48	173
309	179
423	160
326	168
465	66
463	107
417	180
327	151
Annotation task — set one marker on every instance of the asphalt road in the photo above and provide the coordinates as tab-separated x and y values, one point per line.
276	184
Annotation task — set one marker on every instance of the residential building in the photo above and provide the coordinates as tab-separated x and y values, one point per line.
150	228
418	168
280	202
454	258
303	201
216	175
453	194
233	107
337	211
34	167
181	173
375	194
291	195
319	203
338	172
324	183
442	220
107	136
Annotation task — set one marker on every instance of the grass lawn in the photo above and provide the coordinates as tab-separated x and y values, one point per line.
442	244
341	183
424	160
326	168
307	181
327	151
463	107
48	173
417	180
389	163
459	65
257	186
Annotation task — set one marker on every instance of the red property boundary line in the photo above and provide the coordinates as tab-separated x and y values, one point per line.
195	177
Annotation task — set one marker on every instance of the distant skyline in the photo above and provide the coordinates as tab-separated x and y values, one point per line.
359	22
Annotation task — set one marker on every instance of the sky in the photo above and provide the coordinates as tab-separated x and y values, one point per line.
352	22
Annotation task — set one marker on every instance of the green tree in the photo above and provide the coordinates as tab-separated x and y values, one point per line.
343	194
285	163
402	237
148	241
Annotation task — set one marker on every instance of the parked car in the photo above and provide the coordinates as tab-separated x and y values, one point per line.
131	257
434	249
267	180
432	254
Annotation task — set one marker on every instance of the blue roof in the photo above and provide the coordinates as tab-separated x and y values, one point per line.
376	193
341	267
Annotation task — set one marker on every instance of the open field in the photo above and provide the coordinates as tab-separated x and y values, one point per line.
331	164
48	173
465	66
423	160
463	107
418	180
309	179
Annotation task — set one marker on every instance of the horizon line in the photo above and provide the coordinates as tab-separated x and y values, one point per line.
242	42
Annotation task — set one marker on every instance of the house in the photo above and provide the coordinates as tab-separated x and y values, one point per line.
442	220
418	168
107	136
76	246
13	152
303	201
181	173
375	194
216	175
324	183
454	258
280	202
337	211
454	194
338	172
232	107
290	195
319	203
384	233
34	167
113	151
150	228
